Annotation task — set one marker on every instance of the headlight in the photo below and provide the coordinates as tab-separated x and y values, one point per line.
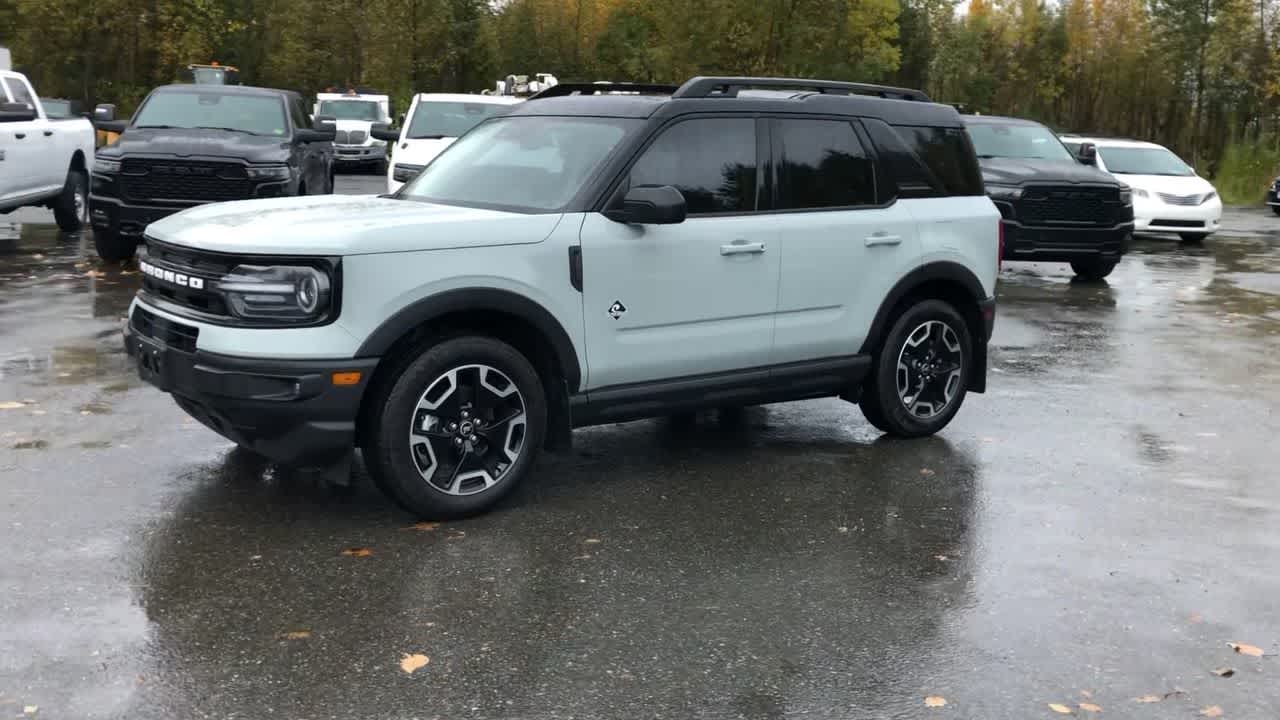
1208	196
1126	195
1003	192
290	293
105	166
269	172
405	173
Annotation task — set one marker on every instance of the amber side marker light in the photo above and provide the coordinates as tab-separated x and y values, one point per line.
346	378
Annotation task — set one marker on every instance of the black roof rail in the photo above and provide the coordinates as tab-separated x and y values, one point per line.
702	87
564	89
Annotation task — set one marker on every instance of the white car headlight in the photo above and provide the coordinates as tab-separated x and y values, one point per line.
1208	196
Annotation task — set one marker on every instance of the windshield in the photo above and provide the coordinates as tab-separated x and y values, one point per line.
209	76
1143	161
351	110
253	114
1027	142
525	164
449	119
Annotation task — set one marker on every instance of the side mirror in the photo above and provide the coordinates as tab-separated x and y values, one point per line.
17	112
304	135
111	126
105	112
384	133
1088	154
662	205
324	122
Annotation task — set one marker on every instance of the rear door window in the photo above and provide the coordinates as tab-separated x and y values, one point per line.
822	164
711	161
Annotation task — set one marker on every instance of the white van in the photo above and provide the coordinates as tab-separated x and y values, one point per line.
354	115
433	122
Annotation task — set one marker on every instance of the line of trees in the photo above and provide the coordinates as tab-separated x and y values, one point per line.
1197	75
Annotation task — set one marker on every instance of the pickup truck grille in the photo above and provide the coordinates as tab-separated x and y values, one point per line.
206	267
196	182
1071	205
350	137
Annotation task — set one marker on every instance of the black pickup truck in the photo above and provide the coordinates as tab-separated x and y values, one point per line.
1056	206
193	144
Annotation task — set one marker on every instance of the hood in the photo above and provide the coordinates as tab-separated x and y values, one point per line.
1016	171
1170	184
345	225
421	151
190	143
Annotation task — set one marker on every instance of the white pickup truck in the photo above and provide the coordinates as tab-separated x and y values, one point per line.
43	161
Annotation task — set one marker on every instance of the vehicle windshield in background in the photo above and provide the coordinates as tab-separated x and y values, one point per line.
1022	142
56	108
433	119
253	114
209	76
525	164
351	110
1143	161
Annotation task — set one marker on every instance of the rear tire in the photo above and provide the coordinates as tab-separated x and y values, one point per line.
920	376
1275	209
1193	238
1093	268
113	246
458	428
71	209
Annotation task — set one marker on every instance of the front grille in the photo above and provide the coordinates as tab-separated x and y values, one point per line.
1178	223
1179	199
1074	206
144	179
349	137
192	264
173	334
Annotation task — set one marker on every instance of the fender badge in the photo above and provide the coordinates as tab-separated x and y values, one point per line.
617	309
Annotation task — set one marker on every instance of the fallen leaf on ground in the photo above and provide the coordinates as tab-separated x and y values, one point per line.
1086	694
926	472
1148	699
409	663
591	541
357	552
1090	707
30	709
31	445
1212	711
425	525
95	274
295	635
1195	618
1060	708
455	535
1243	649
1224	672
842	529
935	701
941	558
11	405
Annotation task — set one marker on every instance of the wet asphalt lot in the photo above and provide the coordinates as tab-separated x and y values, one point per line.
1104	521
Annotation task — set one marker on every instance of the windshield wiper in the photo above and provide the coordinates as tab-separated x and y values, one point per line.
228	129
426	137
157	127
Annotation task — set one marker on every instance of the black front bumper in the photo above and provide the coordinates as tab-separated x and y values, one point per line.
114	215
1273	197
286	410
1065	244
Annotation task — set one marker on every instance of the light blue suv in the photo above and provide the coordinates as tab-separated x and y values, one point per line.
601	253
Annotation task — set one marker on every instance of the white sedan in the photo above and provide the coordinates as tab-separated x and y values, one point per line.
433	122
1168	195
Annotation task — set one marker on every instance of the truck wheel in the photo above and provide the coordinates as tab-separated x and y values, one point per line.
1093	269
71	209
458	428
921	374
1275	209
113	246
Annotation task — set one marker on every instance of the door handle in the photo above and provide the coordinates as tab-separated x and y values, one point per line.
882	238
19	135
47	133
742	247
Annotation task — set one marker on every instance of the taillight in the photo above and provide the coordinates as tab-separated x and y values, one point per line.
999	245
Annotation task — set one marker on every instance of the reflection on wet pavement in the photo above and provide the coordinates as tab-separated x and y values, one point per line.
1104	519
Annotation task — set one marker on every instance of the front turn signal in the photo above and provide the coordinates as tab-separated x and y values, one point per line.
346	378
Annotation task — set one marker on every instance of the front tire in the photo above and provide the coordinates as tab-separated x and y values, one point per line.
113	246
458	428
921	374
1093	268
71	209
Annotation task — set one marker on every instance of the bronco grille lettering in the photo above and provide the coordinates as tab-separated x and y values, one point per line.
170	276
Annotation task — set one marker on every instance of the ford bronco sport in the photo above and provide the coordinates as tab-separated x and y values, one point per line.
601	253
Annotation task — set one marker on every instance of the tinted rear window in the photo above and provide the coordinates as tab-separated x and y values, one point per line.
948	156
823	165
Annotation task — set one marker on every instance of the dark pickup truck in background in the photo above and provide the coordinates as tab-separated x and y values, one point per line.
193	144
1055	206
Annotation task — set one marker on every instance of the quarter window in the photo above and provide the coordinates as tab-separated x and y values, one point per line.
712	162
823	165
946	153
299	115
18	91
